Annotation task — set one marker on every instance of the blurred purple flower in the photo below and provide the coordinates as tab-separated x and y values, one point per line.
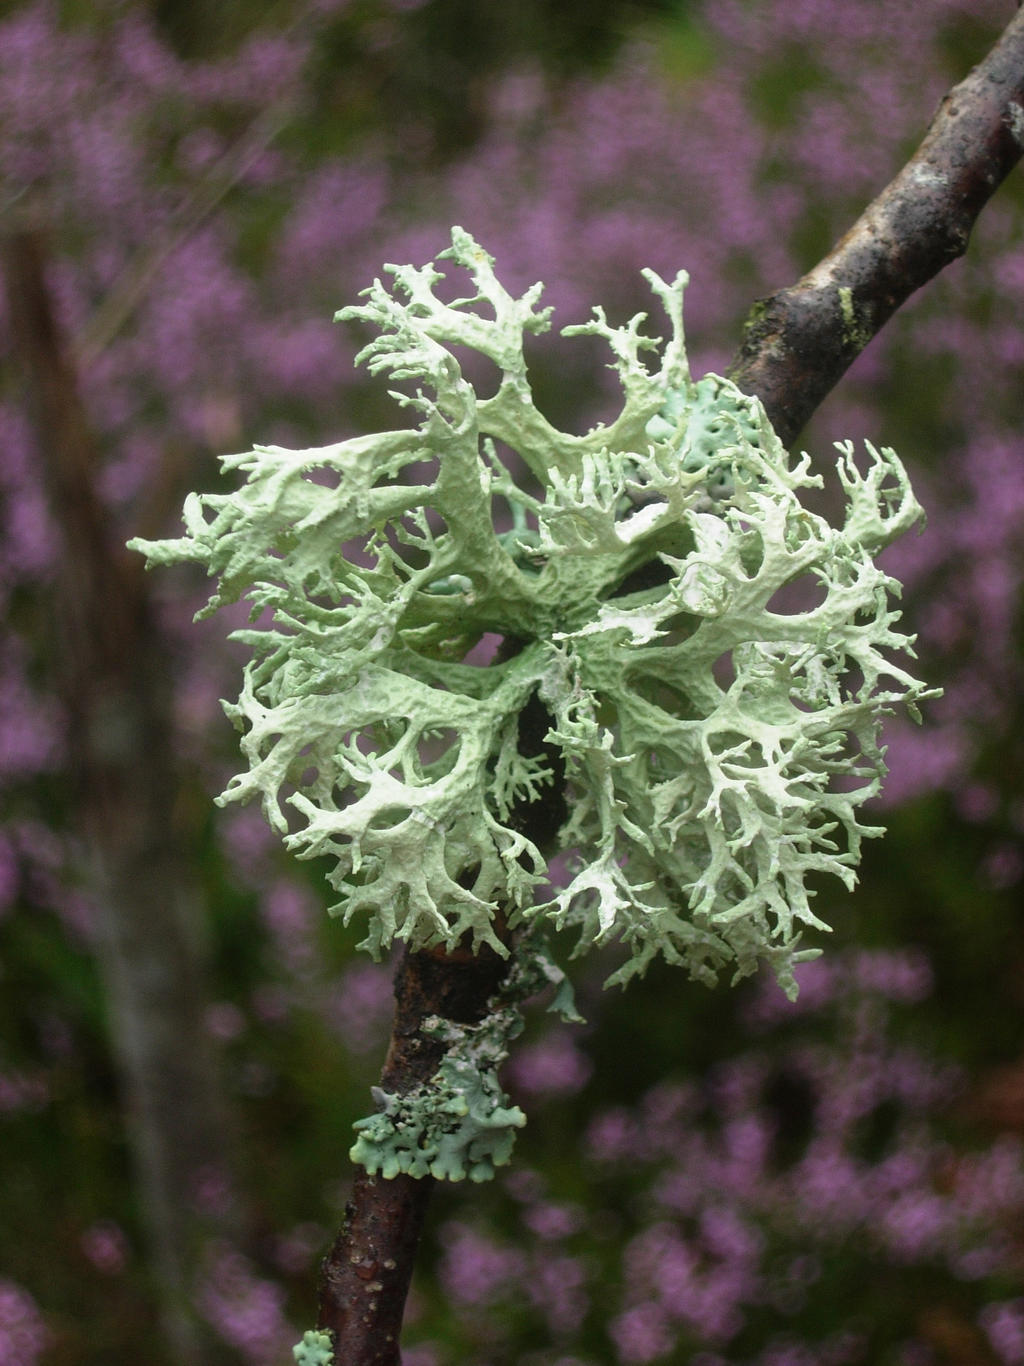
553	1066
106	1247
245	1310
1003	866
917	1226
641	1334
557	1289
224	1021
23	1091
552	1222
1003	1323
476	1270
247	841
290	912
360	1006
23	1334
296	1251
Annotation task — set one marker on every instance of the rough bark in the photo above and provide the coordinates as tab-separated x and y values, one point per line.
114	686
799	342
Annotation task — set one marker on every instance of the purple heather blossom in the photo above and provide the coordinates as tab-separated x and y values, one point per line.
992	1180
1003	866
553	1066
552	1222
903	975
290	911
23	1334
297	1250
789	1353
557	1290
247	842
106	1246
475	1270
23	1091
30	736
360	1006
917	1226
224	1021
244	1310
420	1354
977	803
1003	1323
641	1334
612	1135
212	1192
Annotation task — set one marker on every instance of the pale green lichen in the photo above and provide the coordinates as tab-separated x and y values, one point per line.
315	1349
856	333
716	741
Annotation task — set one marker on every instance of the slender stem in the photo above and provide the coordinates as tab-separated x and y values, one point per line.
365	1276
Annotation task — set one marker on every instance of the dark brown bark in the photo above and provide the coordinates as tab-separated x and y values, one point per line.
365	1276
799	342
113	683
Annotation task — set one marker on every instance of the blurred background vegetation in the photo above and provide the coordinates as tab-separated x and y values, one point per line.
188	193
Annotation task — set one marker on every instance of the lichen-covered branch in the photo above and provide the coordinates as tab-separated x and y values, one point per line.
365	1276
799	342
713	744
796	346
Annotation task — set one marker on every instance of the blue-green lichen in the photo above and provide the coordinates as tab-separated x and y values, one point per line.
460	1123
716	736
315	1349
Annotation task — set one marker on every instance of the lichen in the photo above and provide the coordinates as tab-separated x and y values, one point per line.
315	1349
855	332
1015	121
716	743
460	1123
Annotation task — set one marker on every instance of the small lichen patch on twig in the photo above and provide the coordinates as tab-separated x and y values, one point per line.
1015	121
315	1349
855	333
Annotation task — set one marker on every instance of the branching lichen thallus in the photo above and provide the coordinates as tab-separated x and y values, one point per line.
712	745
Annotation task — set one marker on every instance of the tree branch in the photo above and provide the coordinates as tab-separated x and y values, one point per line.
365	1276
798	343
